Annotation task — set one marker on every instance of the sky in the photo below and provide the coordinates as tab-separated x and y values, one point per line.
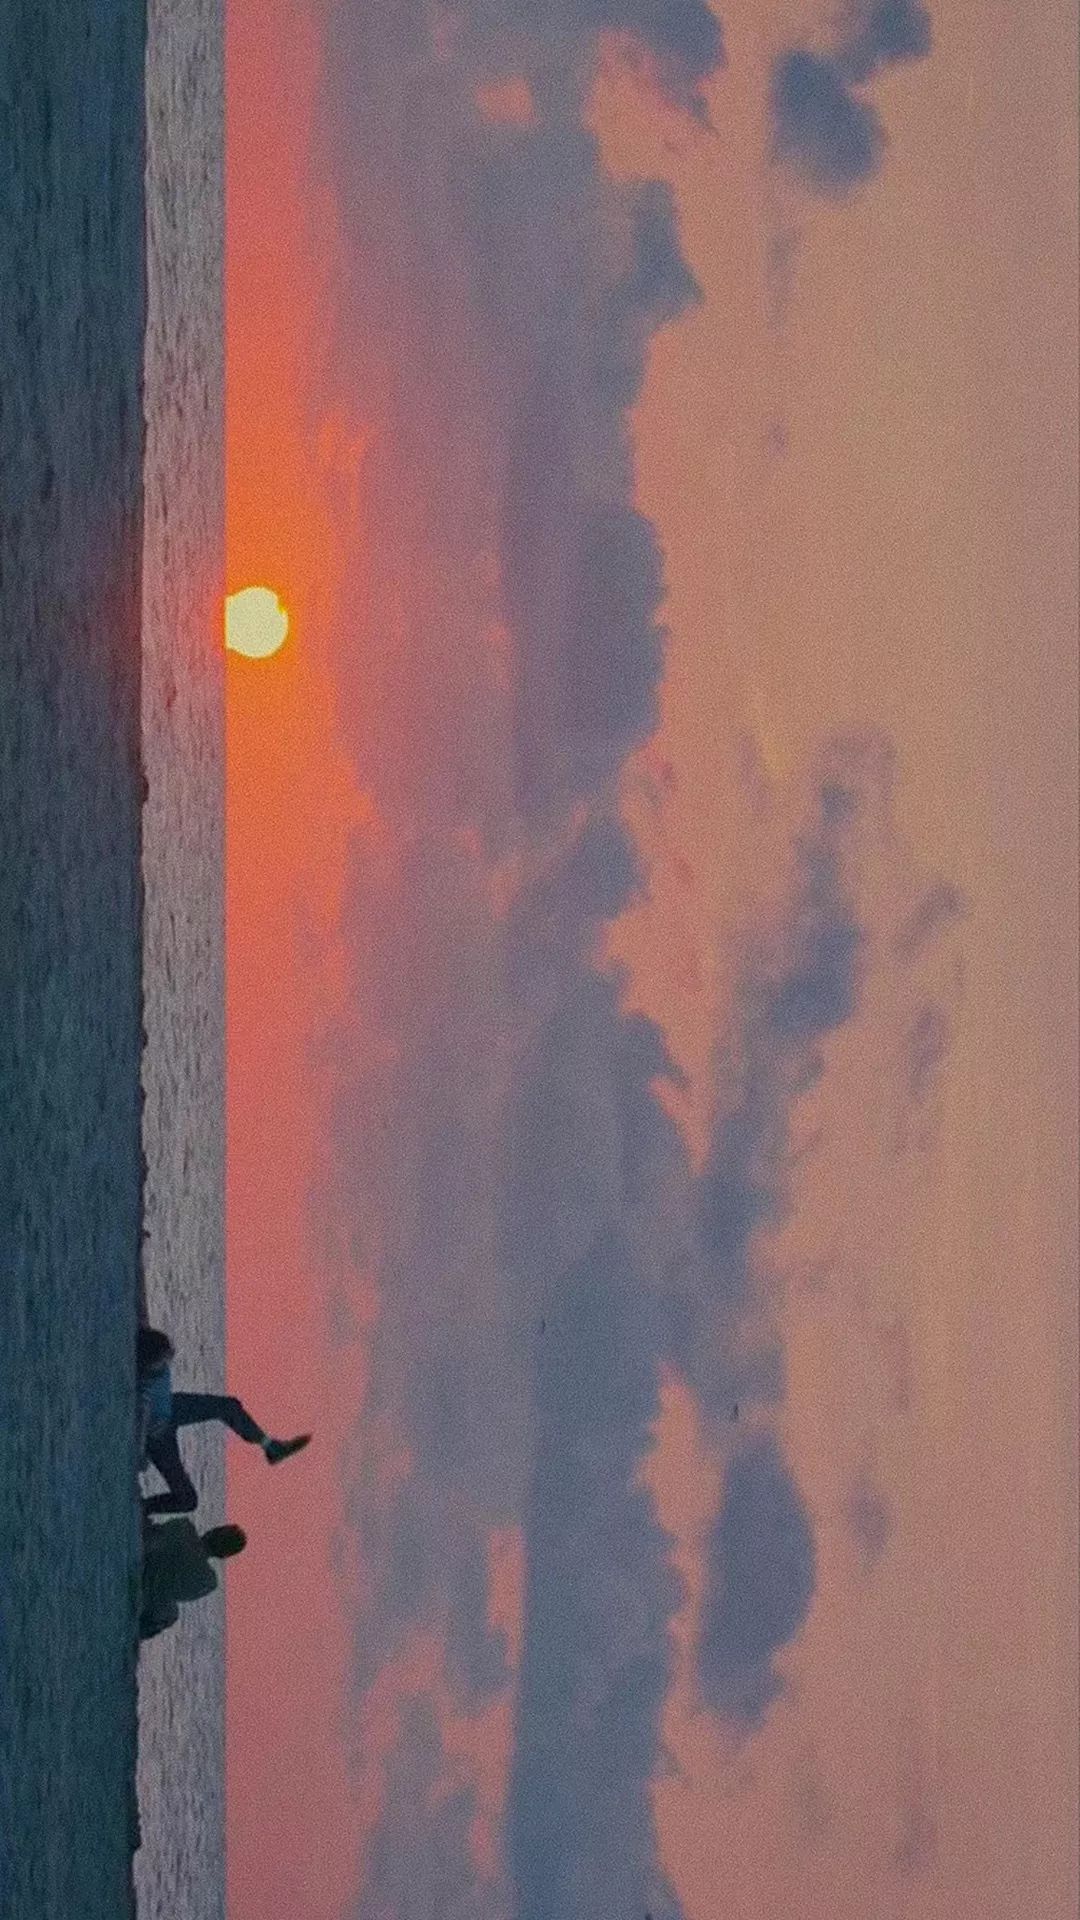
651	960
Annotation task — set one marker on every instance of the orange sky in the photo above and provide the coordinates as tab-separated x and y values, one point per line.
903	565
910	563
288	802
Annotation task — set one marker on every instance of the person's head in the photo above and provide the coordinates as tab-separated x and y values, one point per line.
153	1349
222	1542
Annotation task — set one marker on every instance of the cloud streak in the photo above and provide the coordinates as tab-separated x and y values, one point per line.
869	1518
801	980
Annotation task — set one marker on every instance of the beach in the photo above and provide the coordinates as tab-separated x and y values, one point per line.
180	1867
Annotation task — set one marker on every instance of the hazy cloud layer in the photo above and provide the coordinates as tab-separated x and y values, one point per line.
497	1116
822	126
507	1169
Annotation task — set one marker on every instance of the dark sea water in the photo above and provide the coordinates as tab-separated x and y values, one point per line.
109	660
71	339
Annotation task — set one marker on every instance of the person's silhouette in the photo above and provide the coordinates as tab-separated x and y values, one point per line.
164	1412
177	1568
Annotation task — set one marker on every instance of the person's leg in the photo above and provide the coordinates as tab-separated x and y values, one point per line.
164	1454
191	1409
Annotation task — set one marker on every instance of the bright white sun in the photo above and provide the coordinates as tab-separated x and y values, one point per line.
255	622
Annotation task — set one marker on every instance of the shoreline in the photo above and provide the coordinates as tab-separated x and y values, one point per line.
180	1761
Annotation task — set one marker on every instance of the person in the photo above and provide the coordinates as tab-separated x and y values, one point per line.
177	1568
163	1412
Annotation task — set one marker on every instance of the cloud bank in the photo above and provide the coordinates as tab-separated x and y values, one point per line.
507	1168
498	1128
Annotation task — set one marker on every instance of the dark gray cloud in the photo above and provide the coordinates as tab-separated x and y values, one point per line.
883	33
594	1184
822	128
761	1576
555	913
581	570
759	1376
929	979
614	646
741	1190
818	993
600	1597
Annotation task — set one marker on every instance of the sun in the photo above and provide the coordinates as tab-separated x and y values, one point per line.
255	622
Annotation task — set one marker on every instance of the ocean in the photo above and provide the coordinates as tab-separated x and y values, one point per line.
111	922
